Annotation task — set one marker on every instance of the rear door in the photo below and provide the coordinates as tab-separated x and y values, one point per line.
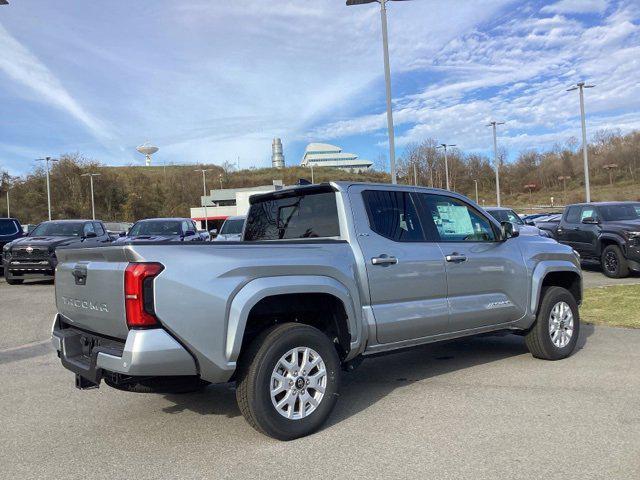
405	271
568	231
486	277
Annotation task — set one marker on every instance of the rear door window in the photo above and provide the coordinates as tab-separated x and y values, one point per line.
312	215
573	215
393	215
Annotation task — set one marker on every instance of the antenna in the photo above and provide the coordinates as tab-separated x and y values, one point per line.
147	150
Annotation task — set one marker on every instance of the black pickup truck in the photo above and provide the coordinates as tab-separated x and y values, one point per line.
34	256
605	231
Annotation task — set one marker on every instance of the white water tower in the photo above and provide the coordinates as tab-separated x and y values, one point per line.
147	150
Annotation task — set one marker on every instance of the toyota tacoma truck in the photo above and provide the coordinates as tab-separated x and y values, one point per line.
607	232
325	275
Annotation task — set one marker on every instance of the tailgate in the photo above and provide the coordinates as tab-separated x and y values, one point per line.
89	287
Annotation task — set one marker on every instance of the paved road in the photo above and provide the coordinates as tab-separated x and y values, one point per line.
481	409
593	277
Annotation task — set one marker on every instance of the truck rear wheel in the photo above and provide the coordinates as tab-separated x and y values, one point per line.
288	381
614	264
555	333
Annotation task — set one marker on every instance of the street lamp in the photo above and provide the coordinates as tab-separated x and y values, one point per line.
476	182
609	167
8	208
563	179
387	77
446	163
204	194
581	86
494	124
93	205
47	160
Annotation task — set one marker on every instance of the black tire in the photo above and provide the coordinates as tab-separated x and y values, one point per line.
254	377
613	262
11	280
539	340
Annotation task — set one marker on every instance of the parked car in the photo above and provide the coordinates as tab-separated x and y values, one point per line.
325	276
608	232
117	229
231	229
532	217
28	228
502	214
10	230
549	223
162	230
34	256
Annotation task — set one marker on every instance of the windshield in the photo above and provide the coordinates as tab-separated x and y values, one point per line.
164	227
8	227
54	229
506	216
622	211
232	227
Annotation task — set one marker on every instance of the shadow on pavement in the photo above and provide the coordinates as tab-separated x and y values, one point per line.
378	376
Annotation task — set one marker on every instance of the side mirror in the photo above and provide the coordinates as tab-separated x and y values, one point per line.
213	231
189	233
509	230
90	235
122	234
531	223
590	220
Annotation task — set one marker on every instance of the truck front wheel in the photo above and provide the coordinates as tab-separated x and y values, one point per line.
288	381
555	333
614	265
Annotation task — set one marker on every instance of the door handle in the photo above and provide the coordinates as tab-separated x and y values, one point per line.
456	258
384	259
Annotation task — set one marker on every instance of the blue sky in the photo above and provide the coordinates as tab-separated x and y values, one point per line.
211	81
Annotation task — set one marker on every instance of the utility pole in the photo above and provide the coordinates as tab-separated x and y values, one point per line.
387	79
495	157
415	175
312	179
47	160
204	194
8	207
581	86
446	163
93	205
476	182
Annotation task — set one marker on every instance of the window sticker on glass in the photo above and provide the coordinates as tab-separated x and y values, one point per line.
454	220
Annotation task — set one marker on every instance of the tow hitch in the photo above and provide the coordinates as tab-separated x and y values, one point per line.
84	384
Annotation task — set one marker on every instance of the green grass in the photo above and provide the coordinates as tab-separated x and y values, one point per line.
615	306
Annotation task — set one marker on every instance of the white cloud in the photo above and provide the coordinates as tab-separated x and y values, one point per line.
576	6
20	65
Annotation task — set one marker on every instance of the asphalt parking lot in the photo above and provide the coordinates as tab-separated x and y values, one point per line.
477	408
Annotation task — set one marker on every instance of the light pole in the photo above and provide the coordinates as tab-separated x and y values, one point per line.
563	179
446	163
494	124
311	165
47	160
476	182
93	205
8	208
581	86
204	194
387	78
220	177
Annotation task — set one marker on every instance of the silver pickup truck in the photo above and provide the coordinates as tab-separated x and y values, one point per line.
324	276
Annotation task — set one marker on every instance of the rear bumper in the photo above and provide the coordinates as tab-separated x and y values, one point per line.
145	353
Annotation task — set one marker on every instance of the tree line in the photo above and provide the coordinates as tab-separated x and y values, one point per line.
133	192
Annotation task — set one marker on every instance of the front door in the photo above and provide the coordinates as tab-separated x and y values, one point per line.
405	272
486	277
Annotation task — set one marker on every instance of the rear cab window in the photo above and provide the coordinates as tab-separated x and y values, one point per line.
8	227
309	212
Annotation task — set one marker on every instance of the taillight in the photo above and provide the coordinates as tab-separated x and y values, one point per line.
138	294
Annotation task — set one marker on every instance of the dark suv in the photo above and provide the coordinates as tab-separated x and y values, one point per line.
34	256
10	230
607	231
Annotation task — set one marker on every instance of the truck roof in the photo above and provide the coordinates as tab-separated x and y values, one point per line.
621	202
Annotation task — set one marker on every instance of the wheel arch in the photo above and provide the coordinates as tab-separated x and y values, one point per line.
281	295
607	239
555	273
